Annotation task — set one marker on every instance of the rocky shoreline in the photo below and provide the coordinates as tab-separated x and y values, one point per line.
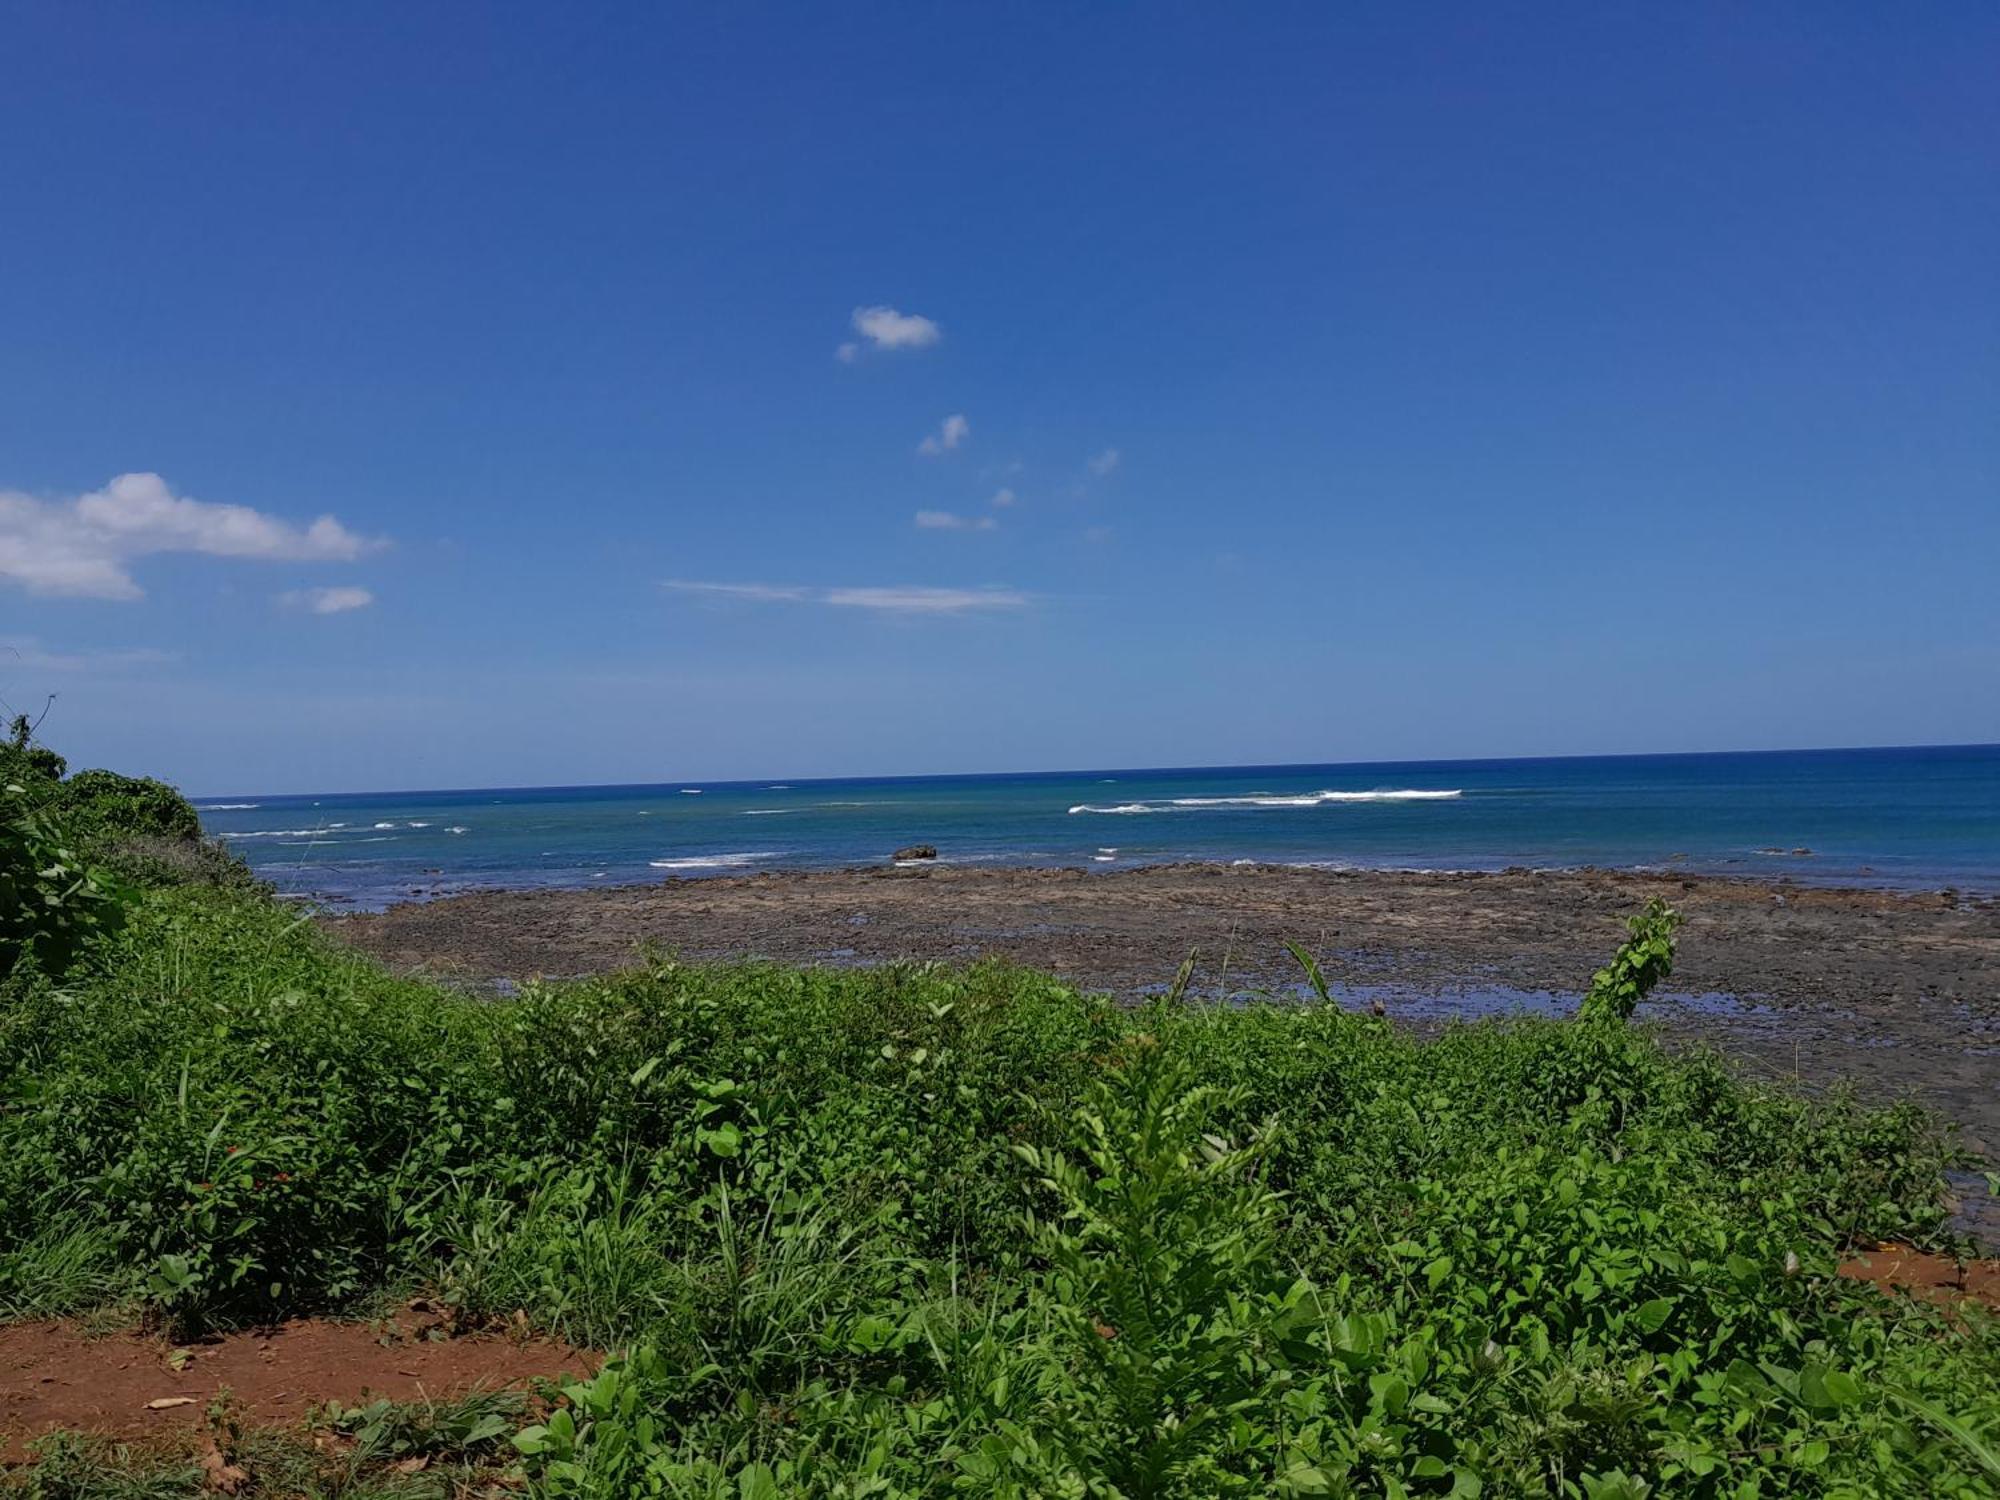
1899	992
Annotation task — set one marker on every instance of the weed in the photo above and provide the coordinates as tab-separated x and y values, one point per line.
929	1231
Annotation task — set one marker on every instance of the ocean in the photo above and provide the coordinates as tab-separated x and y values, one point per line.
1901	818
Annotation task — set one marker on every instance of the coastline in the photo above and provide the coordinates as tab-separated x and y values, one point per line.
1898	992
1122	929
1912	820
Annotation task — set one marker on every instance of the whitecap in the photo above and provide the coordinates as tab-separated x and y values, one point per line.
225	806
457	828
385	825
1317	799
690	791
282	833
768	812
1301	799
735	861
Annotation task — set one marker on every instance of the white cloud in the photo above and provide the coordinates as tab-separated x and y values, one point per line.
951	432
886	329
755	593
945	520
1003	498
327	601
82	547
1103	463
29	654
927	601
908	599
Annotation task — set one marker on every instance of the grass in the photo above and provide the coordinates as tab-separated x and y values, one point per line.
422	1450
925	1231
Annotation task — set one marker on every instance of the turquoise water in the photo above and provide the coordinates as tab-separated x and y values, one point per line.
1925	817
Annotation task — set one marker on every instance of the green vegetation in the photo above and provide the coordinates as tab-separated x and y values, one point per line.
925	1231
52	901
420	1450
122	830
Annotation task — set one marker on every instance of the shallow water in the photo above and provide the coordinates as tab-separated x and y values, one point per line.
1892	818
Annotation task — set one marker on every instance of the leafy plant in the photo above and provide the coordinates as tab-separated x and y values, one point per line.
53	903
1162	1254
1274	1249
1641	962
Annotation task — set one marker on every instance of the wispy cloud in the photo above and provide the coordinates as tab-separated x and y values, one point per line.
1002	498
327	601
952	431
1103	463
947	520
29	654
754	593
904	599
927	601
82	548
885	329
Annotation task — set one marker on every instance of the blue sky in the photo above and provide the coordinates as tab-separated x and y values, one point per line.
1366	381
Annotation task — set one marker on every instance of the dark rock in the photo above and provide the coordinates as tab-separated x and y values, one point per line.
917	851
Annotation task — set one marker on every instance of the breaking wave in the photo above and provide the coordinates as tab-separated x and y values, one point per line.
1302	799
284	833
713	861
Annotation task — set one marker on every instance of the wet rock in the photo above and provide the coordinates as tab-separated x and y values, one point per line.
917	851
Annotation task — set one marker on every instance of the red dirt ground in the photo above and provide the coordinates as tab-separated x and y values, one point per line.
53	1375
1935	1278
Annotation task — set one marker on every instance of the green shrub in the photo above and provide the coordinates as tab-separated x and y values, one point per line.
107	807
132	829
26	763
53	903
928	1231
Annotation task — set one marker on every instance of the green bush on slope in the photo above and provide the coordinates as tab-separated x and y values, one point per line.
132	829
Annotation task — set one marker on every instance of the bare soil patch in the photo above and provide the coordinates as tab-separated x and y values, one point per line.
57	1376
1935	1278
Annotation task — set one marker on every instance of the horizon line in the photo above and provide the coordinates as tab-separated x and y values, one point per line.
1059	772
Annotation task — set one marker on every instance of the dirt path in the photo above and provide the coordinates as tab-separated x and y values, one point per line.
54	1375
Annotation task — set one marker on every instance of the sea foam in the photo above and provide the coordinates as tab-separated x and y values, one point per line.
283	833
737	861
1302	799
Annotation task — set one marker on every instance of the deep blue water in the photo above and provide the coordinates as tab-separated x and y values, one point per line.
1923	817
